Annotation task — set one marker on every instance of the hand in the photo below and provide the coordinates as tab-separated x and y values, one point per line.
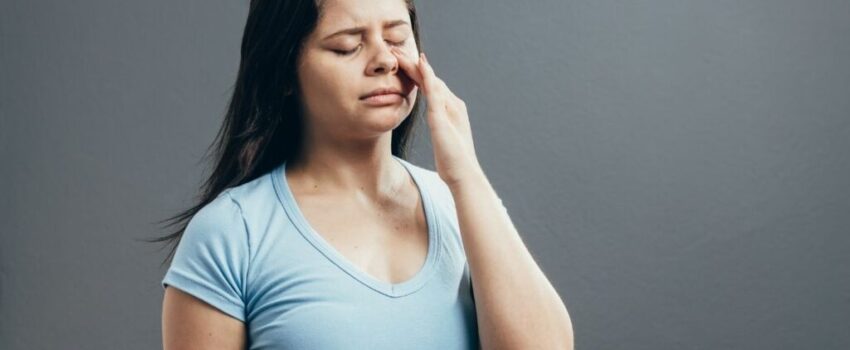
451	137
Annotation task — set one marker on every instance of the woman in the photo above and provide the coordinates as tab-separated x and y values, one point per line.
316	233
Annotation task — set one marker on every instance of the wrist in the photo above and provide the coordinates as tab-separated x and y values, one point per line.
473	179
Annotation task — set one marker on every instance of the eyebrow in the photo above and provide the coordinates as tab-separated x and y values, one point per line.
358	30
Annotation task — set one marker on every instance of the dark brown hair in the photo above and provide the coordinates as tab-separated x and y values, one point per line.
263	123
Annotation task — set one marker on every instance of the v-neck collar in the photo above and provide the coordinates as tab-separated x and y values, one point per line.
287	199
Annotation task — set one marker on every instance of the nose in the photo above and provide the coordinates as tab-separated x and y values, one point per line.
383	61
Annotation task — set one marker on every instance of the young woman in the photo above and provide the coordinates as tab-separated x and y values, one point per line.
314	232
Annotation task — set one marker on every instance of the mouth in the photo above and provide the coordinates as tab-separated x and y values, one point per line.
383	99
383	92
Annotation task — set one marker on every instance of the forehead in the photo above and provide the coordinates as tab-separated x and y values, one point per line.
338	14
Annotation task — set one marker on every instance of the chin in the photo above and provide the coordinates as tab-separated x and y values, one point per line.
385	119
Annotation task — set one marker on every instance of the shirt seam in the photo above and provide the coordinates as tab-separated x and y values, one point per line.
250	250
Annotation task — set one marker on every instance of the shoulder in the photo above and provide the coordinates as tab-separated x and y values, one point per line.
219	220
257	199
212	257
250	207
254	193
227	218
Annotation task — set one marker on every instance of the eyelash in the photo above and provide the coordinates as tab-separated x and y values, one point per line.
346	53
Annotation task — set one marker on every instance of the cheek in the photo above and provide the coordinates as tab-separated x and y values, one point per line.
328	82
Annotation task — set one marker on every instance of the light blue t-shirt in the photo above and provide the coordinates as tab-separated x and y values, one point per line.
252	254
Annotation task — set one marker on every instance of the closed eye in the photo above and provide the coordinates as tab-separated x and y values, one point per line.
352	51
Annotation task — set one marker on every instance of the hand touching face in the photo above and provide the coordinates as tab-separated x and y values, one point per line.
451	136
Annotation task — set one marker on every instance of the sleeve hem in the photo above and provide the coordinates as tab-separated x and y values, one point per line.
204	293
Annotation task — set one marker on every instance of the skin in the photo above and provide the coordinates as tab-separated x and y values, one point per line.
378	222
347	155
347	158
501	267
347	147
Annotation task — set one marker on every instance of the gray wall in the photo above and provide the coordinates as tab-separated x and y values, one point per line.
679	169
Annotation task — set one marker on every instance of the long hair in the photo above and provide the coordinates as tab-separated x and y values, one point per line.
263	123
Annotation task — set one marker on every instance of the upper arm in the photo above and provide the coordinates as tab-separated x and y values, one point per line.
189	323
206	285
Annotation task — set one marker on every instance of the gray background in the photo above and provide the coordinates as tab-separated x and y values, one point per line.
678	168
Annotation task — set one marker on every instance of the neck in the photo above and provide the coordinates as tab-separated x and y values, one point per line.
364	168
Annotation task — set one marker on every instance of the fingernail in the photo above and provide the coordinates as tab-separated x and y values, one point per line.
424	59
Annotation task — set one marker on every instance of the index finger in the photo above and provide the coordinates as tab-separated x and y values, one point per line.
409	65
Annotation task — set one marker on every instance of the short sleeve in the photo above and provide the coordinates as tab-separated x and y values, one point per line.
211	260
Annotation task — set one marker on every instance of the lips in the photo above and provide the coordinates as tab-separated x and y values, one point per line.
383	91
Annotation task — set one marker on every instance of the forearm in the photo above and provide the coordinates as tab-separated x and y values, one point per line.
516	305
